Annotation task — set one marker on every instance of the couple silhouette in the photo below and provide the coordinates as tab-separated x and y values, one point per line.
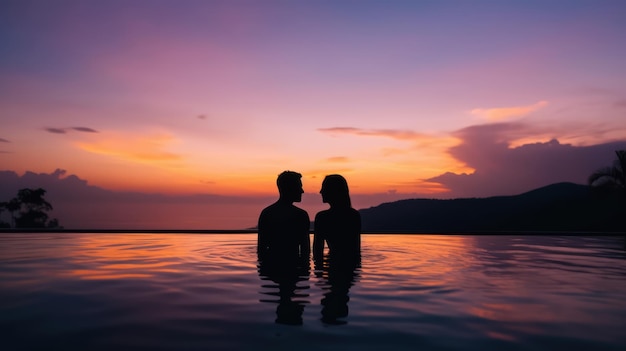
284	249
284	228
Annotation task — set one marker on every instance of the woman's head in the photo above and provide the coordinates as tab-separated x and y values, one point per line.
335	191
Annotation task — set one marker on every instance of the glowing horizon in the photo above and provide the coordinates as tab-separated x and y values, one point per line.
408	99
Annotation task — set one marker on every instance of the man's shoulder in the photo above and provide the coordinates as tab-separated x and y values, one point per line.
275	207
268	208
300	210
281	210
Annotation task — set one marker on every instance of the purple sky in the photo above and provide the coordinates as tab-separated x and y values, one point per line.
404	98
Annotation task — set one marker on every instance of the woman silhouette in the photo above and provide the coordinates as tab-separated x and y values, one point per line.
339	226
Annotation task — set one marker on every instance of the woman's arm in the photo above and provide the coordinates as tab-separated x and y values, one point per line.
357	226
262	234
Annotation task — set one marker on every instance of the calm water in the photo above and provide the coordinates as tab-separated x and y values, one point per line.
205	292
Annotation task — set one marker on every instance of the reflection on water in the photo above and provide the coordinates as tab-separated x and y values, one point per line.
289	288
335	278
198	292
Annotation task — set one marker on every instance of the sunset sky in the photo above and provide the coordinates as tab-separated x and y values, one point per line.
405	99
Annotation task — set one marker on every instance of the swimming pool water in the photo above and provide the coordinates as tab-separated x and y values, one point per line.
207	292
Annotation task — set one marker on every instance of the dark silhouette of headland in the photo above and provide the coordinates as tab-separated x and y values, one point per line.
561	207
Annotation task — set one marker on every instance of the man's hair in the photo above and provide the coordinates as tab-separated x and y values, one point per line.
288	180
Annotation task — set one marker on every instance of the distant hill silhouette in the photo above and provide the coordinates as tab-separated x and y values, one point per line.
557	207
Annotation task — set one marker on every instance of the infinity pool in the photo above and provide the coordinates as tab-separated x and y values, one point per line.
207	292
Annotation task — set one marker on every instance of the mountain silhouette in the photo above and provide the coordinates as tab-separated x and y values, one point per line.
557	207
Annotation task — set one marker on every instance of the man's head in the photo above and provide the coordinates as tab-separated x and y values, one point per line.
290	186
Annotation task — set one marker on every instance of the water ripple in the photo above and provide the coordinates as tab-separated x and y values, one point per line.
197	292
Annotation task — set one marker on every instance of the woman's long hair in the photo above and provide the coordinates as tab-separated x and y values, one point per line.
335	189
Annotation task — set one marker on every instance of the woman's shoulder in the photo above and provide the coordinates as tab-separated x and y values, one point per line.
322	214
339	212
354	213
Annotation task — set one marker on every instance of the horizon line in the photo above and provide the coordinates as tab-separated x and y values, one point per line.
254	231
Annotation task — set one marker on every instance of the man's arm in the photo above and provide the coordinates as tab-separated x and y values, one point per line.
305	245
305	241
318	241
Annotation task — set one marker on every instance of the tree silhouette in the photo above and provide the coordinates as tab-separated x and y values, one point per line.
611	181
3	207
31	209
612	178
13	206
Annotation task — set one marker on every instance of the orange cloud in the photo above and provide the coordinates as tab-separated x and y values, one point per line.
419	185
420	141
148	149
503	113
424	155
389	133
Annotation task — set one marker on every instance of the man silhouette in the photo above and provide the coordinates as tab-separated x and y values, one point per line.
283	227
284	248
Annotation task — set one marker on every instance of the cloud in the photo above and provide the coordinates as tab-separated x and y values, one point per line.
147	148
504	113
419	140
202	117
84	129
418	147
79	205
500	169
2	140
500	158
56	130
388	133
65	130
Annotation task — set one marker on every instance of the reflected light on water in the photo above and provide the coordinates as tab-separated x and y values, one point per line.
190	291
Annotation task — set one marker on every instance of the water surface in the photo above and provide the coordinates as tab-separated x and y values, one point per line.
199	292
